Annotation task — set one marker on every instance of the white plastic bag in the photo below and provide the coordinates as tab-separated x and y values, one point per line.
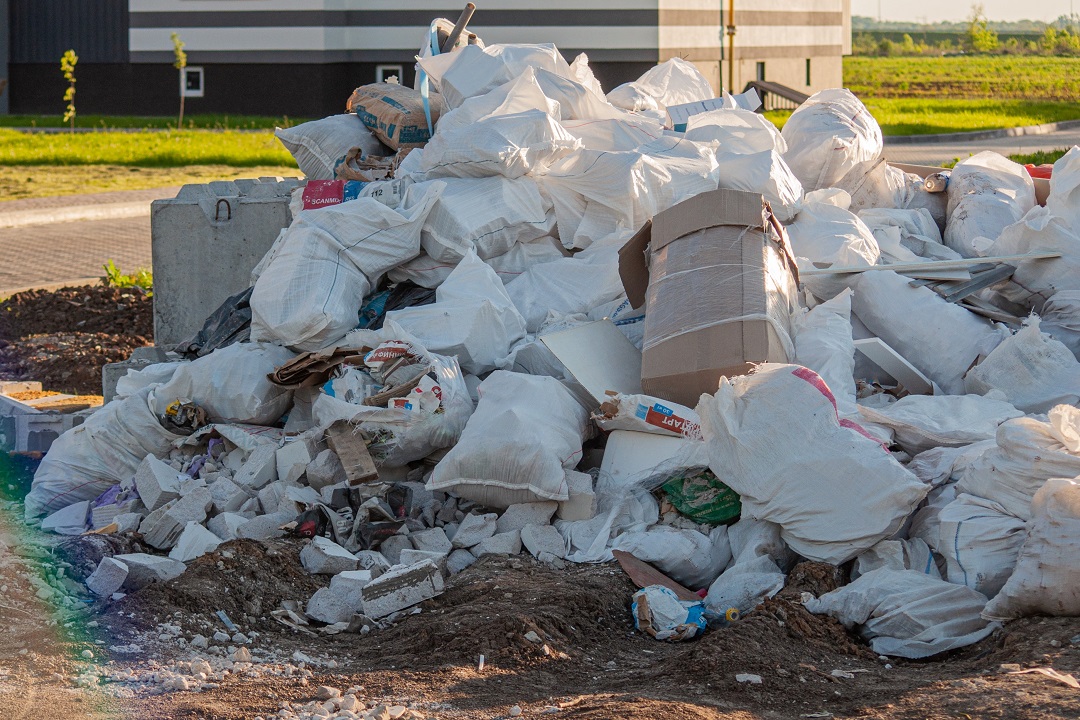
582	73
745	585
795	472
1061	319
916	233
619	509
567	285
1034	371
472	317
674	82
906	613
1037	281
911	554
310	293
429	273
987	193
825	235
526	431
473	71
1064	198
765	173
921	422
625	134
686	556
318	146
980	542
823	343
938	337
738	131
135	380
1048	567
828	135
518	95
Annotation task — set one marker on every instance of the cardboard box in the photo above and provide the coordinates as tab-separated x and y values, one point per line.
719	284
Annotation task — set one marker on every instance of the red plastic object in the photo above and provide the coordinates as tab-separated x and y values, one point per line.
1040	171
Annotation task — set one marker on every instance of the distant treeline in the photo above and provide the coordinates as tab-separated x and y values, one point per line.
977	39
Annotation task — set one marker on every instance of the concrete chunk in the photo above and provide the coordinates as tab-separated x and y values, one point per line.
227	495
392	546
325	557
350	584
539	539
144	569
156	482
474	529
162	528
402	587
518	516
225	525
264	527
581	503
507	543
108	577
325	469
459	560
195	541
260	468
433	540
374	561
293	457
329	607
411	557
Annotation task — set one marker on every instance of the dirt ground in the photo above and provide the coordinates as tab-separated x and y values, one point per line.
62	338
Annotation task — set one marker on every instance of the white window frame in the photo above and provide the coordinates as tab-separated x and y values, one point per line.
197	70
384	71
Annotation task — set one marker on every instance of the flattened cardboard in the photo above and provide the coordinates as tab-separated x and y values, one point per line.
599	357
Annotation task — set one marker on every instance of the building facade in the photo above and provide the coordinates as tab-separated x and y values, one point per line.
304	57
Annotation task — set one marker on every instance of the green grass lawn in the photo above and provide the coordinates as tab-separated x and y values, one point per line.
997	77
191	122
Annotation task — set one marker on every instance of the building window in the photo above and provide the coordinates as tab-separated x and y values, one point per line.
761	71
383	73
191	82
808	83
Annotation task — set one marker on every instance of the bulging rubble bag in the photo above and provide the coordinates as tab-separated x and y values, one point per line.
1028	453
624	134
473	71
823	343
774	437
980	542
231	384
921	422
688	557
526	431
1035	282
825	235
1047	572
1064	198
939	338
318	146
907	235
737	131
395	113
1034	371
506	145
877	184
913	554
472	318
518	95
310	293
674	82
1061	319
987	193
828	135
429	273
906	613
765	173
106	449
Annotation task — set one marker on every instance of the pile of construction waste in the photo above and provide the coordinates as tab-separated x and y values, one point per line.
513	313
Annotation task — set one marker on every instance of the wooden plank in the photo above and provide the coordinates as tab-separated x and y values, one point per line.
351	449
643	575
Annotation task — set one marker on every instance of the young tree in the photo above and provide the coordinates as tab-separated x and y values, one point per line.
67	66
981	37
180	63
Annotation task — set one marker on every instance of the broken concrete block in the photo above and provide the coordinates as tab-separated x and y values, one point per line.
374	561
144	569
518	516
433	540
251	507
329	607
227	495
323	556
260	468
458	561
539	539
234	459
507	543
325	469
195	541
272	497
411	557
188	484
447	511
264	527
225	525
108	577
300	494
162	528
474	529
402	587
293	457
157	483
349	586
392	546
581	503
128	522
70	520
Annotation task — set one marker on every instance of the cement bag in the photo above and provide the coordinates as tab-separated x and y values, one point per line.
395	113
318	146
792	472
941	465
473	71
823	343
567	285
912	554
310	293
922	422
106	449
1045	579
824	235
624	135
674	82
688	557
519	95
644	413
135	380
926	522
1064	198
1061	319
1028	453
828	135
765	173
738	131
906	235
506	145
526	431
231	384
489	215
980	542
905	613
1034	371
472	317
939	338
1037	281
987	193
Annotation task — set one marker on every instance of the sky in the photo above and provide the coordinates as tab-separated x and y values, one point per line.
937	10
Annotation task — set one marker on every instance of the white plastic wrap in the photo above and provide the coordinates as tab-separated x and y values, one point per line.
823	343
429	273
793	472
473	71
674	82
824	235
1034	371
738	131
922	422
828	135
980	542
987	193
686	556
318	146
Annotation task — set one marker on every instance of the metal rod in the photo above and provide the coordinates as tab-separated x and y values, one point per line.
462	21
731	46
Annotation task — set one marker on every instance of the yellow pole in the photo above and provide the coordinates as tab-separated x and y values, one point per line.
731	46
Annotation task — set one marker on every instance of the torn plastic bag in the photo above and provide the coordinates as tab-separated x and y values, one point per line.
826	235
231	384
907	235
318	146
473	71
310	293
1037	281
674	82
429	273
472	317
1033	371
620	509
980	542
1046	575
791	473
905	613
106	449
688	557
659	613
823	343
827	136
738	131
987	193
526	431
230	323
922	422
